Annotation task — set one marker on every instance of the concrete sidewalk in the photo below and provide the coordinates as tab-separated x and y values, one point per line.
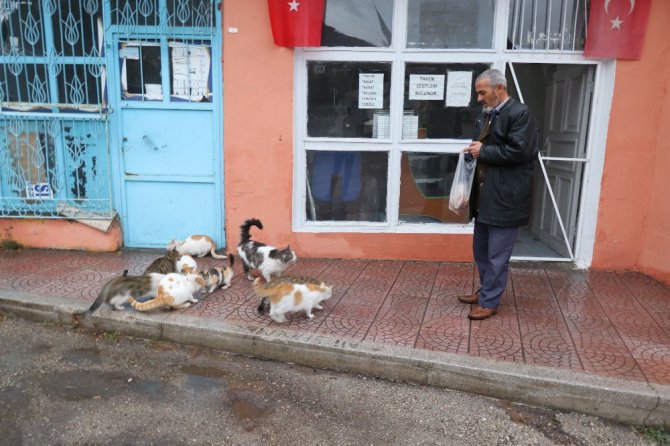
597	343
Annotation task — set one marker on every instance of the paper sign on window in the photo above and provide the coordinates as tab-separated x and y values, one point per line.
426	87
371	90
190	71
459	88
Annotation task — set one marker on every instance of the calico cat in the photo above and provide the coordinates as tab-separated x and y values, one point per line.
219	277
175	291
186	264
120	289
287	294
164	265
196	245
268	259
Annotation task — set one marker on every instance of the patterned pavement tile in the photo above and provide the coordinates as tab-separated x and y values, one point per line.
604	323
344	325
645	287
606	363
393	332
416	279
451	336
496	338
454	279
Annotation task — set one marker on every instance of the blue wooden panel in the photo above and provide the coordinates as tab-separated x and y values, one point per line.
162	211
168	142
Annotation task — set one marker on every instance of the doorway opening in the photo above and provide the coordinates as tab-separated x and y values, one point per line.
560	96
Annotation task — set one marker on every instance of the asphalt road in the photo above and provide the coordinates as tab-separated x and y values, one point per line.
65	386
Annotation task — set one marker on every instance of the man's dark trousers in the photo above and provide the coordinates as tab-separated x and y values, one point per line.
492	247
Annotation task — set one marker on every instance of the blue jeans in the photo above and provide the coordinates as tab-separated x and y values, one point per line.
492	248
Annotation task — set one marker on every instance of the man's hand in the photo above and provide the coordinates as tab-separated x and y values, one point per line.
474	149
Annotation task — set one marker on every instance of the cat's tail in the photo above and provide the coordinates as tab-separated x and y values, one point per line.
104	294
244	229
231	260
156	302
264	305
98	301
215	255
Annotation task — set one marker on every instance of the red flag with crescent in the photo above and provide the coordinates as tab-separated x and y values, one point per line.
296	22
616	28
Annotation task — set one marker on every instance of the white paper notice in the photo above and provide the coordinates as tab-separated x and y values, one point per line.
426	87
190	71
371	90
459	88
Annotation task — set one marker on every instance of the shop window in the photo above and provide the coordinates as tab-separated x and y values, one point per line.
346	186
425	183
348	99
358	23
440	101
450	24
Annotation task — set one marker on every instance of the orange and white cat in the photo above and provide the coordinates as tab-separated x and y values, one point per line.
196	245
186	264
289	293
175	291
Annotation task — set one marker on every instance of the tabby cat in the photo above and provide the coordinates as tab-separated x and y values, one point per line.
256	255
164	265
175	291
120	289
288	293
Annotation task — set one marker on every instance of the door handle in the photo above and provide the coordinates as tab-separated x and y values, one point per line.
150	143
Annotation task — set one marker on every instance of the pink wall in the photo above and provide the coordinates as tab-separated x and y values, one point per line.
655	256
258	152
60	234
634	211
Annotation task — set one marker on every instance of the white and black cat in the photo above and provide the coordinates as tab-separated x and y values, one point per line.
256	255
288	293
118	290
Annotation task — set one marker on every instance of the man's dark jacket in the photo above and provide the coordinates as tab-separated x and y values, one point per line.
507	156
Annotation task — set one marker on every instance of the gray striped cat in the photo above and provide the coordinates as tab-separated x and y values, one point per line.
119	289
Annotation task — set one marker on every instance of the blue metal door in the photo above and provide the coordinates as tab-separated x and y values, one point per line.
166	89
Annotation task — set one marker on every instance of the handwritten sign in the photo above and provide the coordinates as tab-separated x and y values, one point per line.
426	87
371	90
459	88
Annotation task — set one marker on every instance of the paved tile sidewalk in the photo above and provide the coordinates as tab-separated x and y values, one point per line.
600	323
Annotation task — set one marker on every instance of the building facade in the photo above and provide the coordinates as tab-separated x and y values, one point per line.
343	150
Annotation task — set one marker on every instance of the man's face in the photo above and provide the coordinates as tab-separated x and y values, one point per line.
489	96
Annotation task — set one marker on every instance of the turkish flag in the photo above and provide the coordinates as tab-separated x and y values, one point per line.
616	28
296	22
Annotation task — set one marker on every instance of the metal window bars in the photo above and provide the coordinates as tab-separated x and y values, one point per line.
54	98
548	25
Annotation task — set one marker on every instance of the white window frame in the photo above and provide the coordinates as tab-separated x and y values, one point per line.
498	57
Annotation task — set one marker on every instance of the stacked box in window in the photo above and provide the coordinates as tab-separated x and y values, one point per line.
410	125
381	125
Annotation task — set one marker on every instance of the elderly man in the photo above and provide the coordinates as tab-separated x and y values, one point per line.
505	147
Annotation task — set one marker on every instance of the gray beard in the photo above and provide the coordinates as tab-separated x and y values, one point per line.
487	109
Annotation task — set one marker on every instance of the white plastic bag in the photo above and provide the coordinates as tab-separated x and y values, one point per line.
459	197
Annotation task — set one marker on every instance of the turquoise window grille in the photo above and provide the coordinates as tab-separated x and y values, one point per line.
55	108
